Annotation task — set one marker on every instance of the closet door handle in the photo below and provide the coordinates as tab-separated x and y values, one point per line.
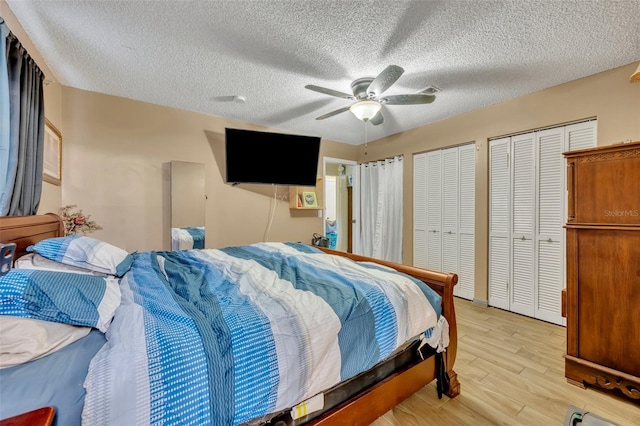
523	238
549	240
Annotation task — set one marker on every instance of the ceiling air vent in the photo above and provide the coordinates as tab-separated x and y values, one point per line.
430	90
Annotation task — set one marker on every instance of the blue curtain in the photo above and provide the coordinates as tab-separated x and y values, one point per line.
5	191
23	185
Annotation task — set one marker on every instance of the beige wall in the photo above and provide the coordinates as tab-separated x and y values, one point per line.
51	194
608	96
116	153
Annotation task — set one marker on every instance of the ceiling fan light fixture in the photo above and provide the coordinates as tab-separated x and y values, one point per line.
365	110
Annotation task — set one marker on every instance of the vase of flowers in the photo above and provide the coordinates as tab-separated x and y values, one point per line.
76	222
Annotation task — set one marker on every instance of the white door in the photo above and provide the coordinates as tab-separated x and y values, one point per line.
450	212
521	296
549	239
444	214
329	198
581	135
434	210
466	221
527	202
355	210
420	210
499	222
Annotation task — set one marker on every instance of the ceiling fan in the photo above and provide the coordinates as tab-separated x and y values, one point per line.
367	92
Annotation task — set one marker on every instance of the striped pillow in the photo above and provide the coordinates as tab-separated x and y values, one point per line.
64	297
85	252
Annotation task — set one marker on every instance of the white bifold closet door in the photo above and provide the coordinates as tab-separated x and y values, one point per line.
420	211
523	215
434	211
527	202
549	231
581	135
466	221
450	211
499	222
444	214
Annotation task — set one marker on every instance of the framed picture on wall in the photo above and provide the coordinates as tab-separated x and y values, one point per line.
52	156
309	199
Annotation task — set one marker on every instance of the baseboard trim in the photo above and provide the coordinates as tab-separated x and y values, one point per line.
482	303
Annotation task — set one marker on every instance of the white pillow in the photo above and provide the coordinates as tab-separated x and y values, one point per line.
36	261
26	339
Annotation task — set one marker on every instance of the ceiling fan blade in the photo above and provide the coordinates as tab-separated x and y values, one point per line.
332	113
415	99
329	92
384	80
377	119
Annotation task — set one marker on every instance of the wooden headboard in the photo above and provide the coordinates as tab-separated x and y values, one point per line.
28	230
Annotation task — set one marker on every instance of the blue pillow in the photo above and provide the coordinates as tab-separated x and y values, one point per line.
68	298
85	252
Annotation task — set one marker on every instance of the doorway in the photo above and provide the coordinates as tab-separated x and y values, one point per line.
341	201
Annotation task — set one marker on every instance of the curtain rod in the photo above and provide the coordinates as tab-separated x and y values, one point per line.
375	162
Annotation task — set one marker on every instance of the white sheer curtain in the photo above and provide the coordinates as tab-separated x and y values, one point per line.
381	209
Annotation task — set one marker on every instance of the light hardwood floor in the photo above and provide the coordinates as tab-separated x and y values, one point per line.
511	372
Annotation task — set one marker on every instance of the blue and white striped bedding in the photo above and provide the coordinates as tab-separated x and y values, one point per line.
67	298
226	336
190	237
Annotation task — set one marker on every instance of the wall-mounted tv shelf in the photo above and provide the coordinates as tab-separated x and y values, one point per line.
295	196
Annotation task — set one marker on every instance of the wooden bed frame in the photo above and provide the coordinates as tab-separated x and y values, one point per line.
369	404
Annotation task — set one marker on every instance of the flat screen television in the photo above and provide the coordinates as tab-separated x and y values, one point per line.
273	158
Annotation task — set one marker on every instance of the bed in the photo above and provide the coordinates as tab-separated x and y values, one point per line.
348	396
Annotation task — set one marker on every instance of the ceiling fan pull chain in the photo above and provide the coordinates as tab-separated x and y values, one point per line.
366	143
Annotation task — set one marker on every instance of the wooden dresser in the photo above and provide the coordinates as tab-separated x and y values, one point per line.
602	298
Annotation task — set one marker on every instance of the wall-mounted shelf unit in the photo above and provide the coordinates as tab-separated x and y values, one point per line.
295	196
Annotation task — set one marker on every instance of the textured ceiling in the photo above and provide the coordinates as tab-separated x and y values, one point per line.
195	55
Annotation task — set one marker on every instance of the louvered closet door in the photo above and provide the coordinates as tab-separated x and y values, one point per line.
499	222
577	136
434	210
581	135
420	210
450	211
523	215
466	221
550	241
